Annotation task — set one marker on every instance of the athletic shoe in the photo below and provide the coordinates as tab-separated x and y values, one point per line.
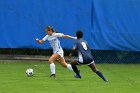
106	80
53	75
77	76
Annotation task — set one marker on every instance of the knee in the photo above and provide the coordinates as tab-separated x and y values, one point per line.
65	66
51	61
94	70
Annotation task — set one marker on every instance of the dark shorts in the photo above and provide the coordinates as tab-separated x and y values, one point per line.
85	62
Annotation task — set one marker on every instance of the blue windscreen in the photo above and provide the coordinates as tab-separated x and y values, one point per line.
107	24
116	25
21	21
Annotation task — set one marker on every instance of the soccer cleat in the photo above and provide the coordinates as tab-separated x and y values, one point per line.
53	75
106	80
77	76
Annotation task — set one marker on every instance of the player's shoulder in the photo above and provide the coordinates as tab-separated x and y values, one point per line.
57	34
82	40
54	34
46	36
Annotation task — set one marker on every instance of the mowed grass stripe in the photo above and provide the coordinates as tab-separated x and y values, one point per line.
123	78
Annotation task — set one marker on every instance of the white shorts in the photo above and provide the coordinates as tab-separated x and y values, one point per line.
60	53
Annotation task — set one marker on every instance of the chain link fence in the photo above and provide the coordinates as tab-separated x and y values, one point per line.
116	57
100	56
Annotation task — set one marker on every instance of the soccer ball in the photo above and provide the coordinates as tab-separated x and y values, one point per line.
29	72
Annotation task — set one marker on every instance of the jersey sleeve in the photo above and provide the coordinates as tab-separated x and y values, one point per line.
58	34
45	38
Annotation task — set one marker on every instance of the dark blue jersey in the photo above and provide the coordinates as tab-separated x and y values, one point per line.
83	50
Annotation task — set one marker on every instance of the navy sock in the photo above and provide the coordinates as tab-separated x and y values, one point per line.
75	69
101	75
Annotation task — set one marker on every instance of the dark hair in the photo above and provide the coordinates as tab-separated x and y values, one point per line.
48	28
79	34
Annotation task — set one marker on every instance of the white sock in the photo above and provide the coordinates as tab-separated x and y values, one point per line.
69	67
52	68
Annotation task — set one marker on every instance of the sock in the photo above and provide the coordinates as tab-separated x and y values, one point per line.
75	69
52	68
69	67
101	75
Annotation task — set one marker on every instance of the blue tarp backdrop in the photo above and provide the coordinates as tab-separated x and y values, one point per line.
116	25
107	24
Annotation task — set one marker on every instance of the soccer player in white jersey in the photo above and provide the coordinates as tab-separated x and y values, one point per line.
52	37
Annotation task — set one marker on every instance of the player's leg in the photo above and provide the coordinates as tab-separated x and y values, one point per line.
52	65
94	69
64	64
62	60
75	69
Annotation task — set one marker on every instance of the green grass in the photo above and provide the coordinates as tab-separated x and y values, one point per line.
123	78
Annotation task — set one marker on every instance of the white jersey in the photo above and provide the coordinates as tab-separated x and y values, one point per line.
54	41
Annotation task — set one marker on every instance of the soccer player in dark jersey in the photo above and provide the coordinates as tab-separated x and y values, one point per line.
84	56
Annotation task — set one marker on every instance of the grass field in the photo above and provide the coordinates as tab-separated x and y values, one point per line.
123	78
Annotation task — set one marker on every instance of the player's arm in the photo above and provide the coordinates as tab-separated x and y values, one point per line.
39	41
65	36
68	36
43	40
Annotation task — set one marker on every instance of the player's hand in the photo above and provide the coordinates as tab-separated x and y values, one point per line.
37	39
